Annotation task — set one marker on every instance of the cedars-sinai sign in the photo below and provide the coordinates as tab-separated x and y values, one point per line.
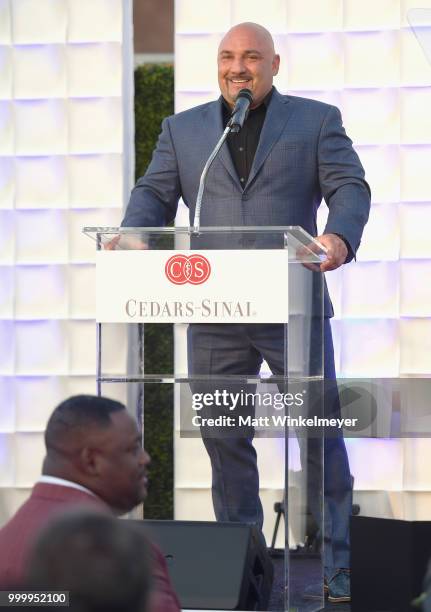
220	286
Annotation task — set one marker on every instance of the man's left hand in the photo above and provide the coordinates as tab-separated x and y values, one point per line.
337	251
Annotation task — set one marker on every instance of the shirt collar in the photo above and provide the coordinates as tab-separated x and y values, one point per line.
61	482
265	101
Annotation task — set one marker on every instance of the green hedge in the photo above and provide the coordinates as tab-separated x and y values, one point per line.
154	100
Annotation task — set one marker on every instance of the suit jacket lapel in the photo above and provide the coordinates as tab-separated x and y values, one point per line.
214	126
277	115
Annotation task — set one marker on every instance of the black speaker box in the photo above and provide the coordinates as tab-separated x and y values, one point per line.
218	566
388	562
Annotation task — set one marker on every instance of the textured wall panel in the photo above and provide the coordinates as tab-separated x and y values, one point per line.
416	505
325	15
7	355
6	70
415	106
273	17
7	291
41	348
39	21
195	63
95	180
41	127
39	71
82	301
379	279
382	168
7	184
7	413
414	162
389	476
95	125
414	231
190	18
372	59
415	290
370	348
7	143
415	69
415	339
369	15
41	236
81	335
94	70
381	237
29	453
380	107
41	182
34	398
95	21
7	237
7	460
41	292
5	23
63	103
315	61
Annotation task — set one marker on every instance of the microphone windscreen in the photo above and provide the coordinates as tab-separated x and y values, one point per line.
245	93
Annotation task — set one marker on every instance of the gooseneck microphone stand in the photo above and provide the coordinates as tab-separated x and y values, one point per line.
211	158
235	123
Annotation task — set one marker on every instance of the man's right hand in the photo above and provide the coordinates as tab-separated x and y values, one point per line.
124	242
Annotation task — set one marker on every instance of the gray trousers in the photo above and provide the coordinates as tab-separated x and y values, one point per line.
226	349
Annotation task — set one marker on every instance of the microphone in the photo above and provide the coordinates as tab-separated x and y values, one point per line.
240	111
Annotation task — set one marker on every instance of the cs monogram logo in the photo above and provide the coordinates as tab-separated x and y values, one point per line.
194	269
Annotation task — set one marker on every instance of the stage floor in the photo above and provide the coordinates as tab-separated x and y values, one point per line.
276	600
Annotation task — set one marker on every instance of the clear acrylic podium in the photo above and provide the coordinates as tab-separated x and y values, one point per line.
234	295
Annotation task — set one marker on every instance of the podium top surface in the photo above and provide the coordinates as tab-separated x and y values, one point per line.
302	247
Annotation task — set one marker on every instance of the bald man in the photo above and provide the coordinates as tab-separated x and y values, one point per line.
94	459
289	154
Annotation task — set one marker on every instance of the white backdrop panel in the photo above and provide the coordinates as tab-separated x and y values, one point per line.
414	230
39	71
39	21
7	290
6	128
41	182
7	186
64	102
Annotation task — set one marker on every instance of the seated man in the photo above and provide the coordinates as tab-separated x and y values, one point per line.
94	458
103	563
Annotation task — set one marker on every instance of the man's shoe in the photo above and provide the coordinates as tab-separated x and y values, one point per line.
339	586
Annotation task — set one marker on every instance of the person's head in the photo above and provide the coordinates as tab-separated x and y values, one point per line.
246	59
105	563
93	441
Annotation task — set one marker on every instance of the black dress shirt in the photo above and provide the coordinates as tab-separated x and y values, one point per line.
243	145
